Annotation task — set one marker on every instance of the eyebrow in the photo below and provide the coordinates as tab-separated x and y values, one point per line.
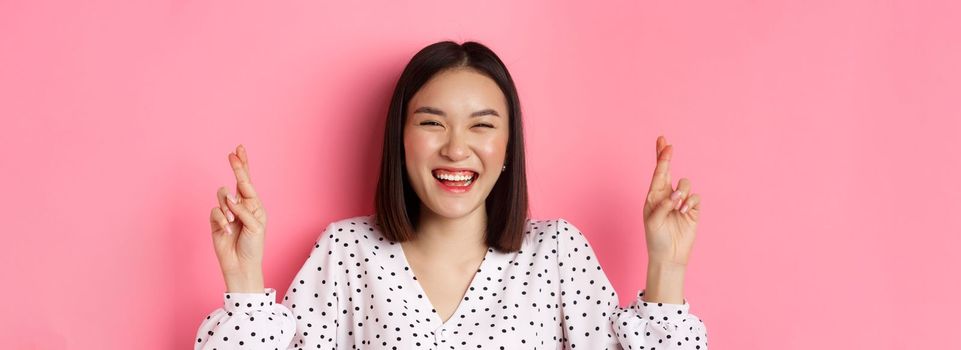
432	110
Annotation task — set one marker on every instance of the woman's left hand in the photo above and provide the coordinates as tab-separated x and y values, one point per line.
670	215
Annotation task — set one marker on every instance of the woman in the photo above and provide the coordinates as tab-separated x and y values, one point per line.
450	260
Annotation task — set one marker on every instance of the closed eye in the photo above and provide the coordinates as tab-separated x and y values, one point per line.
431	122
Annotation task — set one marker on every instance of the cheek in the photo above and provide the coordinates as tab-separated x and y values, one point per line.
494	148
418	147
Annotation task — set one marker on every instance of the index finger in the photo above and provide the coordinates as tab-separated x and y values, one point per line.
244	187
242	154
661	181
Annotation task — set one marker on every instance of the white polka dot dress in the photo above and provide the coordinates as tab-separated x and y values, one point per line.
356	291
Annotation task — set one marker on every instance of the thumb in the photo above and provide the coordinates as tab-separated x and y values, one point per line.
663	208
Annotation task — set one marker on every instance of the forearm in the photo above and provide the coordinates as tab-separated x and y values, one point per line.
245	282
665	283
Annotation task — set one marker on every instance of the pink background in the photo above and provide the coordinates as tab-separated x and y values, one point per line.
822	135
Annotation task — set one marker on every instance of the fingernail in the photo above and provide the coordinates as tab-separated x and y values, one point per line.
684	208
227	228
230	196
675	195
230	216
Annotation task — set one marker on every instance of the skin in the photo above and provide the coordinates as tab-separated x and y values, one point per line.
458	119
670	224
440	132
450	239
238	226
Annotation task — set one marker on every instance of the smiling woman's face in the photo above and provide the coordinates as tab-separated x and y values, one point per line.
457	129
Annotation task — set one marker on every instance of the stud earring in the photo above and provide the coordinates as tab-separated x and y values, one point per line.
504	168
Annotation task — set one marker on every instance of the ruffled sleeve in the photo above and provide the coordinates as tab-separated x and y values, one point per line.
251	320
592	317
306	318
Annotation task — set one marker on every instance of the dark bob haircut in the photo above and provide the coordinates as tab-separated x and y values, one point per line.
397	205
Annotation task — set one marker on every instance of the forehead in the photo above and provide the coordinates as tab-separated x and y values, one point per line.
460	91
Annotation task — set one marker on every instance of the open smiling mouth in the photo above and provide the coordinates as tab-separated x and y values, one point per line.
457	182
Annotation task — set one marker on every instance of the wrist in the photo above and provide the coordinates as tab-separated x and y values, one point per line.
665	266
251	281
665	282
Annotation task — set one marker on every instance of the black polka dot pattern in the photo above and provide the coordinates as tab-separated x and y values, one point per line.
357	291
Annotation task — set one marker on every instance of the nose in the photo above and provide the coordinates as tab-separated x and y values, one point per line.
456	148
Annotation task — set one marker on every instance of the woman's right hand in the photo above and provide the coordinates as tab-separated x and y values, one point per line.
238	225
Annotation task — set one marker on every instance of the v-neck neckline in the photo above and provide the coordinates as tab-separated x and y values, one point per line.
459	310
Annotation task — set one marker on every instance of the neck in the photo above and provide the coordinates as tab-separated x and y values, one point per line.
451	239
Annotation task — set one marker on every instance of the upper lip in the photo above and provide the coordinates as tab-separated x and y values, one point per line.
455	170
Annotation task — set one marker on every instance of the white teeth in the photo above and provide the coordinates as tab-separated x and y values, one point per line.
449	177
464	184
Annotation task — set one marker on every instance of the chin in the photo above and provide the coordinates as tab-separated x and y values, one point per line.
452	211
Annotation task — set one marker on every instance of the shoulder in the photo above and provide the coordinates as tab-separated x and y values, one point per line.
355	236
556	227
562	241
551	233
350	229
566	240
357	223
568	234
